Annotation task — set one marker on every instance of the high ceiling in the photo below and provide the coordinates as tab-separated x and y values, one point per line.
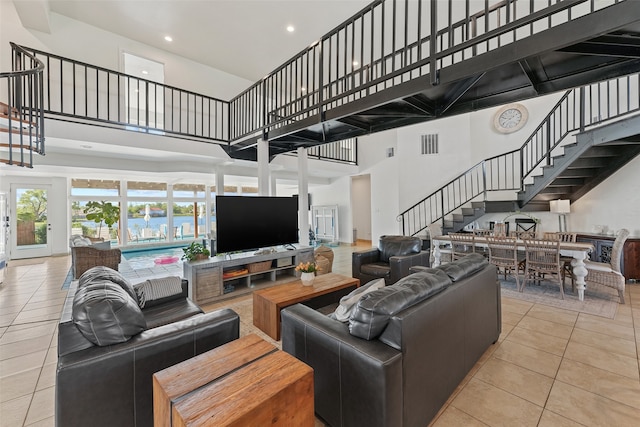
247	38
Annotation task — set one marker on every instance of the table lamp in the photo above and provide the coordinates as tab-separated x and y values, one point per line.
561	207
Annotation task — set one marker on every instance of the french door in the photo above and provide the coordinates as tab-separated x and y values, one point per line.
30	226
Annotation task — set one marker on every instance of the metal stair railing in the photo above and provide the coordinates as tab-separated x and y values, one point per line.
578	109
23	122
387	43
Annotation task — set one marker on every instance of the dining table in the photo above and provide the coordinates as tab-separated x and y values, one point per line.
579	251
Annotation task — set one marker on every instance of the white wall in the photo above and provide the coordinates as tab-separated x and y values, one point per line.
466	140
337	193
76	40
361	205
615	203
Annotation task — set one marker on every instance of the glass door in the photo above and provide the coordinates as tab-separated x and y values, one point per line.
4	222
30	227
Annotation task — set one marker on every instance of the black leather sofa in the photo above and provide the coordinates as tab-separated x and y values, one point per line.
422	336
390	261
111	384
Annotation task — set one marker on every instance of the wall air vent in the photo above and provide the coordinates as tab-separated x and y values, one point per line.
429	144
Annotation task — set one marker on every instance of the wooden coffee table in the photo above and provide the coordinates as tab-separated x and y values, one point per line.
267	303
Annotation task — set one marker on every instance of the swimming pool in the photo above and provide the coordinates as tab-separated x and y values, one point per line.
148	258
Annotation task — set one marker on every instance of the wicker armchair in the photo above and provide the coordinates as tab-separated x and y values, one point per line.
608	274
89	256
83	257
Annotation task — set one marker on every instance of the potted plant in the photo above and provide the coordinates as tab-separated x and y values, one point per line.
195	252
102	212
308	272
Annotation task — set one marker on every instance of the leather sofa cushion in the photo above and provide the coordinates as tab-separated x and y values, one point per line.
371	315
397	246
105	273
376	269
464	267
105	314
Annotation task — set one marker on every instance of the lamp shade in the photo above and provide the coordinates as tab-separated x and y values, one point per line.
560	206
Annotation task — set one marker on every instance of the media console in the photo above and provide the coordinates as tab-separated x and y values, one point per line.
234	274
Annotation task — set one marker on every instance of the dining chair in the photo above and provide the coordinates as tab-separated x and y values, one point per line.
526	225
503	253
542	257
567	268
462	244
565	261
609	274
482	233
499	228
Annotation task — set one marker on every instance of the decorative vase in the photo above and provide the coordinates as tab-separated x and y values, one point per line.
307	278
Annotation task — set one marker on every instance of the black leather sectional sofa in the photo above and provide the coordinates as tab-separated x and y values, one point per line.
111	384
405	348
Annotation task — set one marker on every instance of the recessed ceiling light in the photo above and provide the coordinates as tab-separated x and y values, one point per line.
145	72
291	28
303	89
355	63
168	38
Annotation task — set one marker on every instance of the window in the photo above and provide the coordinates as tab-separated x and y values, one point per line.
84	191
189	211
144	92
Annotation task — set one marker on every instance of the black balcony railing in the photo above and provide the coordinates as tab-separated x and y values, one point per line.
388	43
577	110
21	116
78	91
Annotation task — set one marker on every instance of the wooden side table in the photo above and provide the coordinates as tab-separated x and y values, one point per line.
247	382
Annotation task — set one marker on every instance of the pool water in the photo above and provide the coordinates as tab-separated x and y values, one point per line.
146	258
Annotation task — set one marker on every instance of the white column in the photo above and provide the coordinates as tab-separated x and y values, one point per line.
273	186
220	181
263	167
219	190
303	196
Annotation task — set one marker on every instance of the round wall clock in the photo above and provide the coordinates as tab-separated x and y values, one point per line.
510	118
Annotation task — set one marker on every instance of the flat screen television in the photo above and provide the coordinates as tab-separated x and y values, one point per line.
254	222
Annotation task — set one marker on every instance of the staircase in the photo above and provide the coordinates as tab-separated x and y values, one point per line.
596	155
22	117
592	132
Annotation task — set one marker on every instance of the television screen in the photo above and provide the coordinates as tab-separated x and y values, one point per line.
246	222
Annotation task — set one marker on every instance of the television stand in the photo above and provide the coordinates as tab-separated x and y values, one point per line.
230	275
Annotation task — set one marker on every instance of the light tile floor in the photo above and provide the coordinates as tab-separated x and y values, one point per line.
550	367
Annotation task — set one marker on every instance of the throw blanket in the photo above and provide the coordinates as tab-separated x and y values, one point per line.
153	289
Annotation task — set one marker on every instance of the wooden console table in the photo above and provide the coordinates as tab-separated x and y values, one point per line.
246	382
267	303
209	283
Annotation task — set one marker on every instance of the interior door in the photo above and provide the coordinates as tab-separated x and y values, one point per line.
30	226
